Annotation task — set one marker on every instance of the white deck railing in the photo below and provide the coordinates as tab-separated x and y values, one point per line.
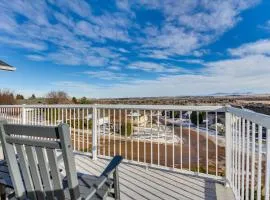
168	137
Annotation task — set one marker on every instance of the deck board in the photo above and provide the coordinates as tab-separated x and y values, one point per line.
137	182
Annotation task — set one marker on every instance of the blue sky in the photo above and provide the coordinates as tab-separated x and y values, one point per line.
135	48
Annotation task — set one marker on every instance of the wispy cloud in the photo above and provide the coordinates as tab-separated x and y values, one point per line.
106	75
231	75
265	26
114	68
36	57
118	40
155	67
253	48
192	24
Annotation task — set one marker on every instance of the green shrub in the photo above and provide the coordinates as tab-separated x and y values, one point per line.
193	117
125	128
80	124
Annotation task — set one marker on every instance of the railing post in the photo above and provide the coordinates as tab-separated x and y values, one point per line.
267	173
228	139
94	133
23	114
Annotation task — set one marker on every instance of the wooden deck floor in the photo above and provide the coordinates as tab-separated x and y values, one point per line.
137	183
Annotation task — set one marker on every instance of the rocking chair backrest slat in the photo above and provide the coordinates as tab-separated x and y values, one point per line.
25	171
44	172
55	174
34	172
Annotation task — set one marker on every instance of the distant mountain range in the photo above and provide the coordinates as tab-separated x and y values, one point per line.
232	94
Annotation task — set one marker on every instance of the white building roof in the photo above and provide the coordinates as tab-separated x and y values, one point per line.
5	66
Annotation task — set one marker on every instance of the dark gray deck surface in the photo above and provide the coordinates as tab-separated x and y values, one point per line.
137	182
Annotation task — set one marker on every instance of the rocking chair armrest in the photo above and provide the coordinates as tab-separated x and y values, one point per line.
112	166
103	178
110	169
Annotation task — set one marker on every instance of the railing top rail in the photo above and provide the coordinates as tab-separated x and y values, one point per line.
258	118
124	106
163	107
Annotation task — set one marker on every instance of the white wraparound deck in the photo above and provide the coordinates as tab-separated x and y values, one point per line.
137	182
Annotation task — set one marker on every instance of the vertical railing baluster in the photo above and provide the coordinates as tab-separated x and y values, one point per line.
173	157
98	132
104	131
247	159
138	133
126	134
267	172
131	135
181	138
236	154
78	129
216	137
94	133
158	113
120	132
87	127
207	133
233	152
243	160
239	156
144	139
259	176
229	146
151	125
55	116
109	143
74	129
166	164
114	132
253	162
198	142
83	134
189	146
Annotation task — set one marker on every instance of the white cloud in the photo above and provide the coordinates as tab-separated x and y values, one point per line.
250	74
265	26
27	44
70	41
123	5
79	7
70	57
191	61
253	48
155	67
106	75
123	50
184	28
114	68
35	57
190	25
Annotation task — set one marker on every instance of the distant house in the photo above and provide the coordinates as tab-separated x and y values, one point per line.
138	118
5	66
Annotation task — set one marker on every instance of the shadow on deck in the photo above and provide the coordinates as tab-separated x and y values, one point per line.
137	182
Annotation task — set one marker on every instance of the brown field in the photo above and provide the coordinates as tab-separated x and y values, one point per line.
141	151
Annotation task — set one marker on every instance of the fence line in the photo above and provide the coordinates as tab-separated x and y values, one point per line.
214	141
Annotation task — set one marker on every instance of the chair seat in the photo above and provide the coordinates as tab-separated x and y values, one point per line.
4	175
85	183
88	181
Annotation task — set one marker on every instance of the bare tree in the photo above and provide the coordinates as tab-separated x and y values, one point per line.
19	97
7	97
57	97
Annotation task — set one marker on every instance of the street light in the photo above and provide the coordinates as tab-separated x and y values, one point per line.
5	66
